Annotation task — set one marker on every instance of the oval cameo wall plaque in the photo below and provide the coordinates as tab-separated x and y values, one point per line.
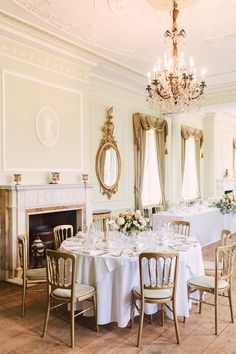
47	127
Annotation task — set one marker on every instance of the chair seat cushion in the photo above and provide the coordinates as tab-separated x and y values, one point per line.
153	294
36	274
211	265
205	281
81	291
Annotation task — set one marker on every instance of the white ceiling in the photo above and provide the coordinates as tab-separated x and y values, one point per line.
131	31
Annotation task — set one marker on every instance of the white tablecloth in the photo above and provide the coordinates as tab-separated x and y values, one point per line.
205	225
114	278
230	222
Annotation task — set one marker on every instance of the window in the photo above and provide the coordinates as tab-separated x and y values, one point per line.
190	185
151	194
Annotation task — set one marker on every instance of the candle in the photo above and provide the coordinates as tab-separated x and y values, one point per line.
203	73
155	71
149	78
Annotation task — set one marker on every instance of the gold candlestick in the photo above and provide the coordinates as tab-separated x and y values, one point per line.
55	177
17	178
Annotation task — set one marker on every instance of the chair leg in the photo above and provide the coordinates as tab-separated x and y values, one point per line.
95	311
162	314
200	302
72	318
140	330
46	318
188	295
231	304
23	297
132	311
176	322
216	313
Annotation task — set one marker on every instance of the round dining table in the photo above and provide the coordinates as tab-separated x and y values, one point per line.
113	268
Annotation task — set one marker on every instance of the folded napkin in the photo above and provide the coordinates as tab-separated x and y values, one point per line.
94	252
182	248
70	243
116	253
73	247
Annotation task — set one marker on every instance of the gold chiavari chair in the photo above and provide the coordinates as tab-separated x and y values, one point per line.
29	276
180	227
61	233
226	239
158	277
62	288
219	284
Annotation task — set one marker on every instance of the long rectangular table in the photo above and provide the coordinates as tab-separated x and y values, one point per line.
205	224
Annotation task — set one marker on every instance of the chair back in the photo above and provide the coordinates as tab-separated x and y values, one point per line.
226	237
158	271
224	262
180	227
22	252
61	233
60	271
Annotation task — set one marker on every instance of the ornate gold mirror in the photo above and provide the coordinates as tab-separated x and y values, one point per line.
108	161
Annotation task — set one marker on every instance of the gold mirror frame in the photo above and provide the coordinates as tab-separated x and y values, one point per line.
108	140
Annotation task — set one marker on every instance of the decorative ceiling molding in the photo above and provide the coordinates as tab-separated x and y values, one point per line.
90	33
34	37
221	39
142	13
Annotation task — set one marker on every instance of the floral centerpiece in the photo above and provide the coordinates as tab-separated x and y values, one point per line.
130	222
226	204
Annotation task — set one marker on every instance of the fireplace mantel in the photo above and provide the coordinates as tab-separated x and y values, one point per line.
18	201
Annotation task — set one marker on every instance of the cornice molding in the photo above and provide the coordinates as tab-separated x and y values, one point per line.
35	37
38	58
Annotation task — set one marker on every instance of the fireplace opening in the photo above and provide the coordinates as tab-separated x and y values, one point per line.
41	229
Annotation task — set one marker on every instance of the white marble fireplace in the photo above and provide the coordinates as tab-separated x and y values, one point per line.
18	203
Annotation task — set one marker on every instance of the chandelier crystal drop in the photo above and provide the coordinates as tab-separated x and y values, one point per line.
174	88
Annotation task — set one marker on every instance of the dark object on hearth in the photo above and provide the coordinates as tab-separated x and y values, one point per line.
45	233
38	250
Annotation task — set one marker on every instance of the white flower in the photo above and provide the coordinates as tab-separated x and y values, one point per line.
120	221
115	226
138	212
135	222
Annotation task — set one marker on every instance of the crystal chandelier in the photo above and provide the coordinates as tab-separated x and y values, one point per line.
174	89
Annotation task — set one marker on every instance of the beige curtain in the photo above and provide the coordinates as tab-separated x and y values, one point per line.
197	156
139	162
234	153
142	123
197	134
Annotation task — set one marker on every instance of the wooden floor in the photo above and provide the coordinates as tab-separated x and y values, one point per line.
23	335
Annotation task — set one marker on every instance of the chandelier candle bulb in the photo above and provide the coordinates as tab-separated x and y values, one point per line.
203	73
191	64
155	72
149	78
